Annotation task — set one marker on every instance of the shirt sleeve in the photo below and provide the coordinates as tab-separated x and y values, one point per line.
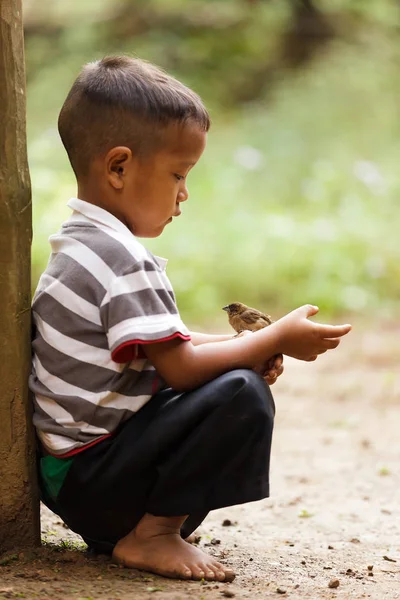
140	308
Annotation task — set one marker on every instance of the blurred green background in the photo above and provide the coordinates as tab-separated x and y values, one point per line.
296	198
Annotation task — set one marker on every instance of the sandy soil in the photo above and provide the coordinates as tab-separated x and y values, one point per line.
334	513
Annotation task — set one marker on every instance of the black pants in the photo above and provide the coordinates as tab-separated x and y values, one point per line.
181	454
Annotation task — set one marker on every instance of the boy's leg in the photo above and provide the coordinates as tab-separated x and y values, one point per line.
240	425
180	454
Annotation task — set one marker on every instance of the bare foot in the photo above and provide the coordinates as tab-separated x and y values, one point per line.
156	545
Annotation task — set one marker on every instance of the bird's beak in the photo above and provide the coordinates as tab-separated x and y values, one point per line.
226	308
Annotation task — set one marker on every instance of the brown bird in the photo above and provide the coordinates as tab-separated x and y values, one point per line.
243	317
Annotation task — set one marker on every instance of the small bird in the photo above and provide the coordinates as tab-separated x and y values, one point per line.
242	317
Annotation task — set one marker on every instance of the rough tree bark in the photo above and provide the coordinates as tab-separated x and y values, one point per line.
19	508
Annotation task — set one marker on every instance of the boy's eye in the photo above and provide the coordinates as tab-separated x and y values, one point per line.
178	177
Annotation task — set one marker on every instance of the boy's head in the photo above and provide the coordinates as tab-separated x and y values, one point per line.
132	133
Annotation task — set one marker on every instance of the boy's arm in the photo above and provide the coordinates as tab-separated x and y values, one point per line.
272	369
205	338
185	366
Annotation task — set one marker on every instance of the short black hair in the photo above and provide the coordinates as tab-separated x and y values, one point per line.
123	101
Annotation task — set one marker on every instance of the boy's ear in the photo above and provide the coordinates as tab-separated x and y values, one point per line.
118	161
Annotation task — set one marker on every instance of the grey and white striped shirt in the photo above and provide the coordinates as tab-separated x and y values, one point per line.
100	298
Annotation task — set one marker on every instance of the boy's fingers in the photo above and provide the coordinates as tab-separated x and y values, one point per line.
275	372
334	331
331	343
309	309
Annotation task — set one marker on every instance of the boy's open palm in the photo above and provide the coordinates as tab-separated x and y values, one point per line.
303	339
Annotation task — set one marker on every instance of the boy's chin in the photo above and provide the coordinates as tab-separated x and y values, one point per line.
150	234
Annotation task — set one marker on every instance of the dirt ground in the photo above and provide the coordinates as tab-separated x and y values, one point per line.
333	515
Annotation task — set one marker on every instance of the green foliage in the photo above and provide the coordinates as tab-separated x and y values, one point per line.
295	199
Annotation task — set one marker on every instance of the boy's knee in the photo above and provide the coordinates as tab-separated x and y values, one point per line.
256	400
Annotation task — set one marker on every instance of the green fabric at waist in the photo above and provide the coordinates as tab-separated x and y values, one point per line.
53	472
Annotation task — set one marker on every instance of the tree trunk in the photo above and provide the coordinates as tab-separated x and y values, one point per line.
19	506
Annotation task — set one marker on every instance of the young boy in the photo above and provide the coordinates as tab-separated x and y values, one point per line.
143	426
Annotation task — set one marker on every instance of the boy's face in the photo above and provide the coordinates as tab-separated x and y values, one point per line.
154	186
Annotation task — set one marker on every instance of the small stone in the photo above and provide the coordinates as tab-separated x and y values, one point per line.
370	567
349	571
334	583
370	573
331	548
280	590
215	542
355	541
303	562
227	523
228	594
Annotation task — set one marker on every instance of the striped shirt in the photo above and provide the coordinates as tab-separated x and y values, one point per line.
101	297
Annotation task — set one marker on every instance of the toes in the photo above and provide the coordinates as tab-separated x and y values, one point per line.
222	573
229	575
185	573
215	571
205	571
198	572
210	574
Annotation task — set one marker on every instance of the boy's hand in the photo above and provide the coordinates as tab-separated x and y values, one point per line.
272	368
303	339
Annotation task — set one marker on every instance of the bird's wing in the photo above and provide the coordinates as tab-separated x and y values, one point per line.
250	315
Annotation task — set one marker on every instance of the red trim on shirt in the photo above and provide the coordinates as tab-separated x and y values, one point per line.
82	448
128	351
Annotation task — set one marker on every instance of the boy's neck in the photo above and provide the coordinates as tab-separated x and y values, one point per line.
95	195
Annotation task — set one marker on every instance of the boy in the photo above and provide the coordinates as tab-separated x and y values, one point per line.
143	426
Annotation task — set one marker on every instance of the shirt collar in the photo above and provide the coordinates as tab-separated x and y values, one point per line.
95	213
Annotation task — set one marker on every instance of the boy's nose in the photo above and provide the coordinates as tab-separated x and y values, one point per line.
183	195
